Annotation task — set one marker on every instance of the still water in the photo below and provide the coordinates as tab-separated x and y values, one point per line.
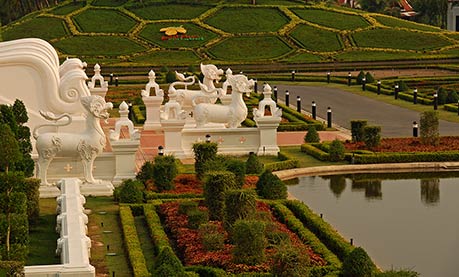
401	223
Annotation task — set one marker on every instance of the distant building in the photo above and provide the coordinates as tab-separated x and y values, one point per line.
406	10
453	15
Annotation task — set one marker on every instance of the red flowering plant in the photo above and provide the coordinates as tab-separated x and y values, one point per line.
408	145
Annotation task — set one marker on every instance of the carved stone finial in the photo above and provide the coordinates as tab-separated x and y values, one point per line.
267	101
152	84
97	77
124	121
229	72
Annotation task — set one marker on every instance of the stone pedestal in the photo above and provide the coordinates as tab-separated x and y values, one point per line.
173	137
267	127
125	152
152	106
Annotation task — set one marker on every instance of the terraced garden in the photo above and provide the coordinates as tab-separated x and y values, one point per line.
118	32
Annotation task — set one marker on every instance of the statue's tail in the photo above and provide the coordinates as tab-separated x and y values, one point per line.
52	117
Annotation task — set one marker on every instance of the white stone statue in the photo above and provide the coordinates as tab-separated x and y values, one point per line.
86	144
173	109
124	121
232	114
152	84
267	101
97	77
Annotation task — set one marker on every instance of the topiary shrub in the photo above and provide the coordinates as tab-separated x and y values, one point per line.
269	186
372	136
336	151
357	129
312	136
130	192
253	164
11	268
238	168
360	77
452	97
369	78
215	186
187	206
170	77
358	264
167	264
239	204
429	128
249	242
164	170
196	218
442	94
203	152
290	261
212	238
32	189
146	172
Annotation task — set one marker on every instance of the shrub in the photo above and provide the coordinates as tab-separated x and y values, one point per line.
157	234
12	268
32	187
215	187
146	172
187	206
429	128
253	164
372	136
442	95
452	97
358	264
238	168
402	86
290	261
357	129
196	218
164	170
212	238
249	242
131	192
312	135
360	77
170	77
269	186
336	151
167	264
369	78
239	204
203	151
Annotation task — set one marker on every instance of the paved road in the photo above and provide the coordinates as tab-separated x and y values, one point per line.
394	121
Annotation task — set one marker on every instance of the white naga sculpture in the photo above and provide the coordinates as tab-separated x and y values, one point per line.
232	114
185	96
85	145
267	101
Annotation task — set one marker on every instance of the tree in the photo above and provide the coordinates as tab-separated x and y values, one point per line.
432	12
9	148
358	264
312	135
373	5
429	128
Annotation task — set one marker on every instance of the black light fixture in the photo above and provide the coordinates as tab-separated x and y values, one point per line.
208	138
160	150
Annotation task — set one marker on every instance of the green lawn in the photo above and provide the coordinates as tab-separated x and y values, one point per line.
399	39
168	57
108	3
103	21
68	8
194	37
331	19
316	39
395	22
148	248
169	11
40	27
375	56
97	45
249	48
304	159
266	2
453	35
248	20
304	58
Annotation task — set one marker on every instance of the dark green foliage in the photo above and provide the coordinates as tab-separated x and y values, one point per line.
372	136
7	117
20	112
14	202
203	151
290	261
9	148
429	128
215	187
249	242
369	78
187	206
157	233
357	129
269	186
196	218
164	172
19	228
32	189
402	86
238	168
12	268
207	271
170	77
167	264
360	77
452	97
336	151
216	164
239	204
212	238
146	172
312	135
131	192
358	264
442	95
253	164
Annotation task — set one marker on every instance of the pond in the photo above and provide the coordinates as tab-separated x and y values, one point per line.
402	220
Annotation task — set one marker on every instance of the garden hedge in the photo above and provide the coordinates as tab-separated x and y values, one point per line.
158	236
447	156
313	150
11	268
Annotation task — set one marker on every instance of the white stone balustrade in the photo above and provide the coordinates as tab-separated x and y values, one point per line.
124	121
152	103
103	85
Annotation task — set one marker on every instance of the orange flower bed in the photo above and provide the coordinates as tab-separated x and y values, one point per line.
408	145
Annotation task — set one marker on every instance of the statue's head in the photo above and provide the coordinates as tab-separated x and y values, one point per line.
96	106
240	83
210	71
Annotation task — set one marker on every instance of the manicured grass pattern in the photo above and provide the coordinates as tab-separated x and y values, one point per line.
168	57
103	21
40	27
401	23
331	19
169	11
399	39
375	56
305	58
249	48
98	45
316	39
68	8
194	37
108	3
248	20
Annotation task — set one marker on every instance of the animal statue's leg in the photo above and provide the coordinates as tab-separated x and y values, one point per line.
43	164
87	170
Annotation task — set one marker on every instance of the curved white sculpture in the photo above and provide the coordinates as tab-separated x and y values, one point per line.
232	114
124	121
172	109
152	84
267	101
86	145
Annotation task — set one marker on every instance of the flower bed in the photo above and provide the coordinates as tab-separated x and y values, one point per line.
408	145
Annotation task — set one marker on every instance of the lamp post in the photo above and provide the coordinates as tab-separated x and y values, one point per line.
329	117
435	96
328	77
160	150
298	104
415	129
314	110
208	136
293	75
396	91
287	98
415	96
379	87
275	94
364	82
349	78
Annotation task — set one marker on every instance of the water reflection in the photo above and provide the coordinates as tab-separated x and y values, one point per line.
372	188
337	184
430	191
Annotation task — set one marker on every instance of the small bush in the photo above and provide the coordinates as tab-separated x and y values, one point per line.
360	77
253	164
336	151
358	264
187	206
369	78
12	268
146	172
372	136
269	186
312	135
238	168
290	261
239	204
32	187
249	242
429	128
212	238
130	192
357	129
167	264
164	170
203	152
196	218
170	77
215	187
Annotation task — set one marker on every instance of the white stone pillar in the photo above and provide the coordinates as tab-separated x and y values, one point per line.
267	127
125	152
152	106
173	137
100	90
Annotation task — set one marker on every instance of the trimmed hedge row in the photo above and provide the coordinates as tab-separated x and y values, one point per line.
150	195
313	150
420	100
286	163
12	268
404	157
294	224
136	258
451	107
158	236
329	236
137	114
207	271
297	126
